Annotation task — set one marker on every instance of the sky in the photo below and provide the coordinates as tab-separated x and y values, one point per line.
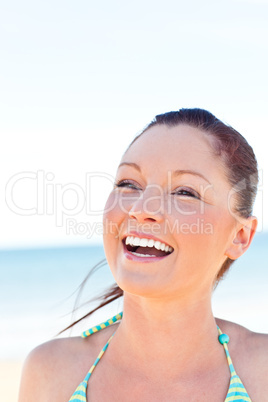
78	80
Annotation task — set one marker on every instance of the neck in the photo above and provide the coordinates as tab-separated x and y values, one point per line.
153	332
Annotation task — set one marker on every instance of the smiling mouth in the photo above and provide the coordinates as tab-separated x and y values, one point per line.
143	247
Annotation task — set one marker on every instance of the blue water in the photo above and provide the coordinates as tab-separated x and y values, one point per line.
37	292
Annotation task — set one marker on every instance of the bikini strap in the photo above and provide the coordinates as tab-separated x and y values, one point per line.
103	325
224	339
91	331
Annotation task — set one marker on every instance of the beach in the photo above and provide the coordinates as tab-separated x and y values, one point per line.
10	371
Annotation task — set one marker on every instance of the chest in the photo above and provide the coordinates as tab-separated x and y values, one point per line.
109	387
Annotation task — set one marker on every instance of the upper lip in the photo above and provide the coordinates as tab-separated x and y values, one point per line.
145	236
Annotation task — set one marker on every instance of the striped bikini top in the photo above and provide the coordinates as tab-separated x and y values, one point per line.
236	391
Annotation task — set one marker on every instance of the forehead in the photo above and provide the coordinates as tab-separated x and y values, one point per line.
173	147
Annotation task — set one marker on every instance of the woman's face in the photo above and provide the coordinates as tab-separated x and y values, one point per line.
170	204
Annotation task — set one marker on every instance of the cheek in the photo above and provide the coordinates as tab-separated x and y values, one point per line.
196	228
110	228
116	209
114	223
111	216
110	203
189	209
191	216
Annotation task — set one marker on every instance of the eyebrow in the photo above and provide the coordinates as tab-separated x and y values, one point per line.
178	172
130	164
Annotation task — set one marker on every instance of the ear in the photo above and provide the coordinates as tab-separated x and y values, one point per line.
242	238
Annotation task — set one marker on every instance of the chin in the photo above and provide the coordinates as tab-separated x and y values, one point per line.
137	282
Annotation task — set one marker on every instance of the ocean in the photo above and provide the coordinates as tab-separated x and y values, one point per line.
38	289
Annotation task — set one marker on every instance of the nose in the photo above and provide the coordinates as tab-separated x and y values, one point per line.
149	206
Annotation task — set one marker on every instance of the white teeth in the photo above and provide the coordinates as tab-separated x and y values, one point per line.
143	255
157	245
143	242
136	241
150	243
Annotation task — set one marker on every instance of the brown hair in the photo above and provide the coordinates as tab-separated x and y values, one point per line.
239	163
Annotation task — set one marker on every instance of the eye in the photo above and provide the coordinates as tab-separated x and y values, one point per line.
127	184
186	192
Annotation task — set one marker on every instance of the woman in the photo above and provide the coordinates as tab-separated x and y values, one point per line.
179	214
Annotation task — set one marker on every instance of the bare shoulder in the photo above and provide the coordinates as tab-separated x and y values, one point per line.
45	365
256	344
53	370
249	353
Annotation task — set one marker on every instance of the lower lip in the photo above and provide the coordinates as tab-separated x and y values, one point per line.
132	257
